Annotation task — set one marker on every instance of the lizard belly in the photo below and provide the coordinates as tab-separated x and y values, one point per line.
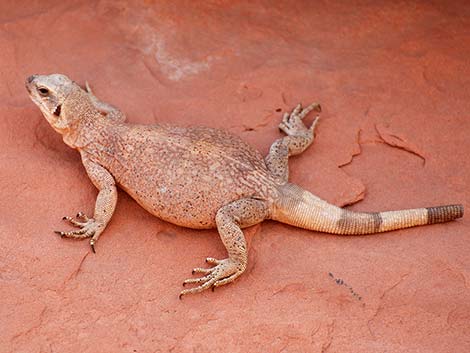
188	200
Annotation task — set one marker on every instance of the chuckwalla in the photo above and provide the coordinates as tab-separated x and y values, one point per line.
200	177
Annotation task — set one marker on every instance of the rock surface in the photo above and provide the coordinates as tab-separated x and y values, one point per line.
388	74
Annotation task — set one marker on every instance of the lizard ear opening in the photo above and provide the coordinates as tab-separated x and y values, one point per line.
57	110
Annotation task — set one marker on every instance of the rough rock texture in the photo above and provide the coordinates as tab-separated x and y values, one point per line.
394	81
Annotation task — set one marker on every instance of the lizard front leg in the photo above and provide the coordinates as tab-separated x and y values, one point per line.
230	219
104	206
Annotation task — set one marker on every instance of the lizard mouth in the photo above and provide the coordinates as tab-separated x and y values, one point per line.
57	110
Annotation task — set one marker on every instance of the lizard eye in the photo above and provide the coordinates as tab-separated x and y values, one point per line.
43	91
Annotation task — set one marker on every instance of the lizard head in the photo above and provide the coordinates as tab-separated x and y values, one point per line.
50	93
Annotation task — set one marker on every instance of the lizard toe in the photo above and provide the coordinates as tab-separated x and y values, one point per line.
80	233
74	222
227	280
312	107
212	261
297	109
202	270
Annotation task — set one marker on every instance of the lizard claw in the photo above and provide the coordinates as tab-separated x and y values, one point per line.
292	123
83	216
60	233
92	244
224	272
88	228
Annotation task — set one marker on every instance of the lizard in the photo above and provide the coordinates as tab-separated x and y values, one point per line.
200	177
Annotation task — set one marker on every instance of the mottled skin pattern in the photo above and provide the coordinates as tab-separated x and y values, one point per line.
199	177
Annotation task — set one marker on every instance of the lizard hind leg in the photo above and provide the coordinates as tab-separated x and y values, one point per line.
230	220
298	138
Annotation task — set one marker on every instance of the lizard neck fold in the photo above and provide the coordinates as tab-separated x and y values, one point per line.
84	131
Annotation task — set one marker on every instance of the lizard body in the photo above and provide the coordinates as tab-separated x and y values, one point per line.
182	168
200	177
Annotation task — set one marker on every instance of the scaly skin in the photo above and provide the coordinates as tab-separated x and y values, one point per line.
199	177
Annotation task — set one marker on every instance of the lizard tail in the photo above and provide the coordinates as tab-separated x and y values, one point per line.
300	208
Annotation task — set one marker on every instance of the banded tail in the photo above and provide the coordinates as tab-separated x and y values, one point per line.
302	209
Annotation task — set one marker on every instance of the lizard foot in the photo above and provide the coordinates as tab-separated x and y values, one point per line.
292	123
89	228
224	272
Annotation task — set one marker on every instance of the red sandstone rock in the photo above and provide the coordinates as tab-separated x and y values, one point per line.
234	65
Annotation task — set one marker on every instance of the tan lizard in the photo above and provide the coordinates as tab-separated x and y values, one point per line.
200	177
